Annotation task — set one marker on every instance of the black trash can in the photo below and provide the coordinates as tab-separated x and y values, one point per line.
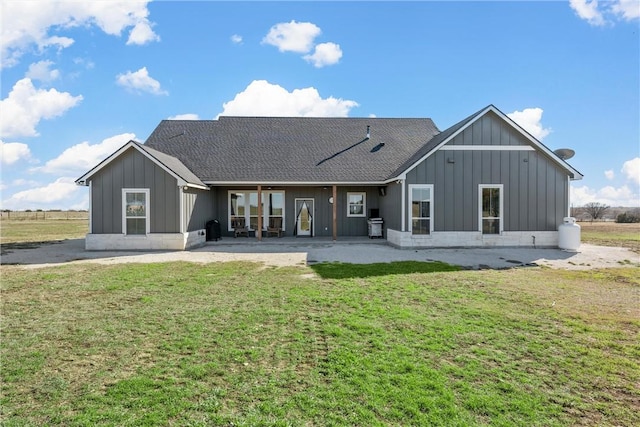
213	230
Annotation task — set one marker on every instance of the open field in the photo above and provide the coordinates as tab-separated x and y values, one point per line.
43	215
26	232
241	344
611	234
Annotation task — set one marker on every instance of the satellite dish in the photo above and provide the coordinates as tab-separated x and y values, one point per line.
565	153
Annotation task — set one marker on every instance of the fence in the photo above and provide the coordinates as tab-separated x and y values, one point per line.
43	215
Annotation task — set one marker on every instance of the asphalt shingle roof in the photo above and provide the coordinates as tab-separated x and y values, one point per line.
293	149
172	164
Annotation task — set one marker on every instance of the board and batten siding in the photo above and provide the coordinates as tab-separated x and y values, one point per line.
390	206
536	189
197	208
134	170
489	129
323	210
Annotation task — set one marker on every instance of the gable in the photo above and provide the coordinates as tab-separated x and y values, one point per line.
169	164
491	130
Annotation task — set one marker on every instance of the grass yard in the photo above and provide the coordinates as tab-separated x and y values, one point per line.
611	234
16	232
244	345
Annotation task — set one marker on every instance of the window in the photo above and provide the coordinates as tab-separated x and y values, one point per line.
356	204
236	210
243	208
421	208
253	211
135	205
275	204
491	209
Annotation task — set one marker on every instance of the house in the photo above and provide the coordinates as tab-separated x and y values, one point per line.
482	182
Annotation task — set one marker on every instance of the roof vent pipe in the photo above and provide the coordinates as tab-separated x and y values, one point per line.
368	133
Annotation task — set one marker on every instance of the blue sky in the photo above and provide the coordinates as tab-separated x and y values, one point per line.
79	79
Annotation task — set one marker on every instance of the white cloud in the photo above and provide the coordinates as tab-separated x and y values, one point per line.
236	39
588	10
325	54
609	174
262	98
622	196
13	152
627	195
40	23
602	13
188	116
631	169
627	9
21	182
86	63
530	120
292	36
25	106
51	196
142	34
84	156
140	81
42	71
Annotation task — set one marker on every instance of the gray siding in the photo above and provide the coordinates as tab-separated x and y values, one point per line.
323	210
133	170
198	208
535	188
390	206
489	130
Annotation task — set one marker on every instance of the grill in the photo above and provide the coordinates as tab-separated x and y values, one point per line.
375	227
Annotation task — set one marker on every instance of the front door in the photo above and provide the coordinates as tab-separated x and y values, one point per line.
304	217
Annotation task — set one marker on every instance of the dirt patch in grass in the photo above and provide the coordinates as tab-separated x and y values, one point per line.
6	248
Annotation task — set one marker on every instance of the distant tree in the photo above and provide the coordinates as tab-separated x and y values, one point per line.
596	210
628	217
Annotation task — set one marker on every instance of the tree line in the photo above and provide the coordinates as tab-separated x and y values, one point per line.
597	210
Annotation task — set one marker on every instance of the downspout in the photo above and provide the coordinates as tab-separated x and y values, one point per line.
90	207
402	206
334	210
568	195
181	207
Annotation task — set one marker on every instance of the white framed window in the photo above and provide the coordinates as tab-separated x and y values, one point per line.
421	208
491	203
356	204
243	208
135	211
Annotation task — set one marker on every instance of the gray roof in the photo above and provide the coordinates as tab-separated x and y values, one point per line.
173	164
170	163
293	149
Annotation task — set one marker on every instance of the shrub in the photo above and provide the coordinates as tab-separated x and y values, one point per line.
627	218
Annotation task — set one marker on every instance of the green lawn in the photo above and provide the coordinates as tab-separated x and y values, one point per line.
244	345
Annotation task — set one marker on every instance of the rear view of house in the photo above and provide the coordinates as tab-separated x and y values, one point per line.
482	182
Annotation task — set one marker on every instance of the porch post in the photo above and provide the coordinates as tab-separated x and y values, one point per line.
335	213
259	230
